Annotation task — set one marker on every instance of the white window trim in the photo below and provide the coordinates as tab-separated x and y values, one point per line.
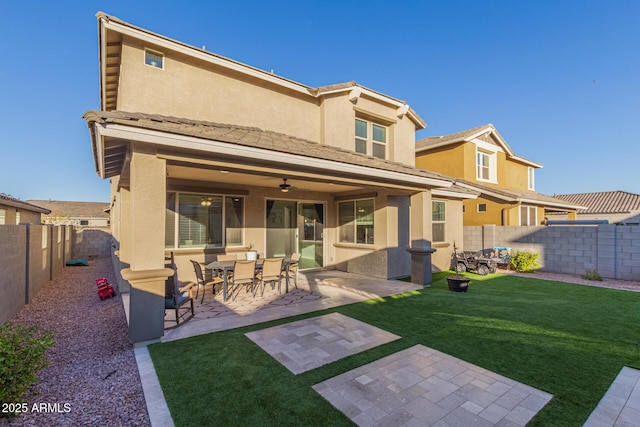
370	141
440	222
155	52
493	160
531	178
478	208
535	214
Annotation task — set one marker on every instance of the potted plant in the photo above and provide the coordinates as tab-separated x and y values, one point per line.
252	254
457	282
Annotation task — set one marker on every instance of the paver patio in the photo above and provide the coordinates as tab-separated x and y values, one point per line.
421	386
310	343
620	405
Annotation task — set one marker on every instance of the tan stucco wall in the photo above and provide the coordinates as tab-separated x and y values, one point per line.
450	160
193	89
10	213
441	259
190	88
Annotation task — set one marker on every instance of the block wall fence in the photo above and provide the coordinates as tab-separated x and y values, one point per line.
614	251
32	255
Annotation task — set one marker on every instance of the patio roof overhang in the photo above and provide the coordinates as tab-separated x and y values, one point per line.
206	159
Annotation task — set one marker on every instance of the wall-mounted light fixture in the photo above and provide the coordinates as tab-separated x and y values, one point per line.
284	187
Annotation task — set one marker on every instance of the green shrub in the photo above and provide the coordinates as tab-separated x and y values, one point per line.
22	354
525	261
592	275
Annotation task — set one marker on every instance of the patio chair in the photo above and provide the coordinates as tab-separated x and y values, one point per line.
202	283
244	273
293	268
176	296
271	272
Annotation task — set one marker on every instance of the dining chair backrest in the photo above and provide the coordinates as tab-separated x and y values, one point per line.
295	256
244	270
230	257
271	267
198	269
171	284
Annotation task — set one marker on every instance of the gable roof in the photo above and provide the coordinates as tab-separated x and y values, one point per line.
8	200
244	136
604	202
110	51
514	196
469	135
74	209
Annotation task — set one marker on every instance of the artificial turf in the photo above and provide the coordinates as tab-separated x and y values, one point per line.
568	340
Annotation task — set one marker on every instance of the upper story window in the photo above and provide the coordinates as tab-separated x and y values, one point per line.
355	220
371	139
201	220
438	218
485	166
3	216
17	217
153	59
531	179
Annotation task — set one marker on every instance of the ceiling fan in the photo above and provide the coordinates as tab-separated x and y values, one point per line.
284	187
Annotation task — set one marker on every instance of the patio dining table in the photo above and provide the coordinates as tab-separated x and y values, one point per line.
228	266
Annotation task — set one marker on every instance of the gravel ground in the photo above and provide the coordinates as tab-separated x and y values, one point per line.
93	368
568	278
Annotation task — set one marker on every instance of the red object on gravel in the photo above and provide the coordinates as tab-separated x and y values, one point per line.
105	290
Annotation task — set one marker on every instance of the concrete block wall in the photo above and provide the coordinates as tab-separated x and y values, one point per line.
614	251
13	244
91	243
32	255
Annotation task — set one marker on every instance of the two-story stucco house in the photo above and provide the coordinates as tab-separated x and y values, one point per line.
480	160
207	155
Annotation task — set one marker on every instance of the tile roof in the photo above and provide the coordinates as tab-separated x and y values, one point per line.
253	137
604	202
75	209
8	200
519	195
458	136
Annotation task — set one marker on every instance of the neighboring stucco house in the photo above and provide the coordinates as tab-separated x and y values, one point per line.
480	160
617	207
15	211
206	155
90	214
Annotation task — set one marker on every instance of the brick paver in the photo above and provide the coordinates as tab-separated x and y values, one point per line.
620	405
310	343
421	386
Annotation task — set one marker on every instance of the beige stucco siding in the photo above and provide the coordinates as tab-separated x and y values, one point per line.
449	160
201	91
441	259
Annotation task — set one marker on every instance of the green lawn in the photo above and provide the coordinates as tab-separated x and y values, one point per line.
568	340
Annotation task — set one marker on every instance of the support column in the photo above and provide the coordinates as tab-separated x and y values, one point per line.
421	237
143	245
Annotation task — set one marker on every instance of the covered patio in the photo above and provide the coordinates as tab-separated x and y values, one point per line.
317	290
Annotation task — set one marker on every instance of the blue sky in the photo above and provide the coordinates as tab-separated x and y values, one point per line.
559	79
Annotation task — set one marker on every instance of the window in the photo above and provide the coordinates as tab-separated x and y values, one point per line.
84	222
200	220
371	139
355	220
153	59
17	216
528	215
482	207
531	179
3	216
438	218
483	166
